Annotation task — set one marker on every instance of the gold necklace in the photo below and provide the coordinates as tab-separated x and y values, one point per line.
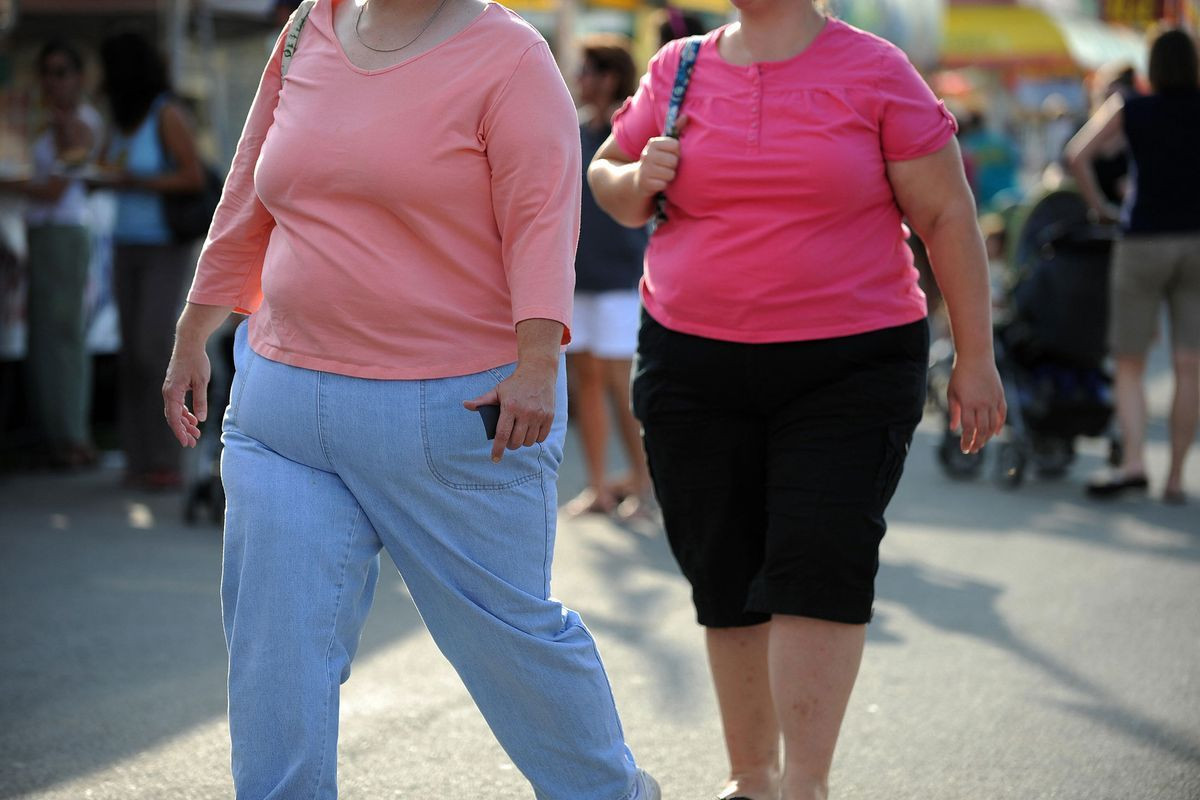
425	27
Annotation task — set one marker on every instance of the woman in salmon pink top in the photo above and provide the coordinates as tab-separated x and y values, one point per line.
782	353
399	223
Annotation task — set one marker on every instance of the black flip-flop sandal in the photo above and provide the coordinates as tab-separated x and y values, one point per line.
1114	485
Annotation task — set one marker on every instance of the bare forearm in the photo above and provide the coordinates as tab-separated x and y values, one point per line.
614	185
49	191
180	182
1104	132
539	342
197	323
959	262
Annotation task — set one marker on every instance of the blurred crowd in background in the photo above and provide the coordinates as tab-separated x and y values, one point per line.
93	92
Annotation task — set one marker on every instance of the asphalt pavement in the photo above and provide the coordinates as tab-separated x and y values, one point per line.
1027	644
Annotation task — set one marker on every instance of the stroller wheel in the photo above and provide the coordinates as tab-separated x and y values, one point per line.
955	462
1010	465
1052	456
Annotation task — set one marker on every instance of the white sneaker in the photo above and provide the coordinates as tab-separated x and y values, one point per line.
647	787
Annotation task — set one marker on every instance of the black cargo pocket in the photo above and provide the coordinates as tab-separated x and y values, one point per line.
899	437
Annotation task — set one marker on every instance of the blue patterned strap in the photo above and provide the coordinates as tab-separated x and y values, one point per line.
293	35
683	76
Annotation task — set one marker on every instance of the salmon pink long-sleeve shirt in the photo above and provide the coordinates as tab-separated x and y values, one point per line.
397	223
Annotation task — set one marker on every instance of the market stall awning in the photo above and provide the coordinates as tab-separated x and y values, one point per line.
1021	36
998	36
1094	43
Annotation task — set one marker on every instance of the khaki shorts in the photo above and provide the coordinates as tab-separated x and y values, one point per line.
1147	272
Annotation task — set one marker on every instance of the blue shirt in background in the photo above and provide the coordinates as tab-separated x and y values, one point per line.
141	218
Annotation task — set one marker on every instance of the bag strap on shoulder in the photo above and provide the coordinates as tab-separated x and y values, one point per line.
293	35
683	76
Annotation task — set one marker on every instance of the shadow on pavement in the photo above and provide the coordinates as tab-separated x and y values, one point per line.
112	639
1050	507
639	607
961	604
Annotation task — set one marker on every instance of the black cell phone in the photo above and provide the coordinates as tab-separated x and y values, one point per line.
491	417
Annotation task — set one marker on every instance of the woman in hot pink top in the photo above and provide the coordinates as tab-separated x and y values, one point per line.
782	355
399	222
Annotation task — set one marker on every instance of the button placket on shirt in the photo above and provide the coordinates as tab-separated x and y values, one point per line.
752	132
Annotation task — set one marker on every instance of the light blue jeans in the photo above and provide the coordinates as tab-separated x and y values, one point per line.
322	471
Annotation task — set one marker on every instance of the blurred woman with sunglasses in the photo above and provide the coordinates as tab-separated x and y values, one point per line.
59	253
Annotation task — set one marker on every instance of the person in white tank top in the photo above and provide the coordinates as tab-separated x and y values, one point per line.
59	253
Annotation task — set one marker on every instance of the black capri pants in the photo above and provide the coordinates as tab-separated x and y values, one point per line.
774	463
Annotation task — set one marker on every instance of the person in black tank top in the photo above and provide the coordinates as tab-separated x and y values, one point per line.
1158	259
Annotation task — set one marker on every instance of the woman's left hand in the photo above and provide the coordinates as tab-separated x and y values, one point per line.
976	401
526	401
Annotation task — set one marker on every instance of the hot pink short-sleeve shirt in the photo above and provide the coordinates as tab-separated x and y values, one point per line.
782	223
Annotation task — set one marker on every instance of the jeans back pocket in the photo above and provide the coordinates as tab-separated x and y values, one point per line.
457	450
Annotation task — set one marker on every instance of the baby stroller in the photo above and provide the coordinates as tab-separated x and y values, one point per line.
205	494
1050	346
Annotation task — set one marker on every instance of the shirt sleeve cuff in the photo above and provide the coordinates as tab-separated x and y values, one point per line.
545	312
240	305
936	141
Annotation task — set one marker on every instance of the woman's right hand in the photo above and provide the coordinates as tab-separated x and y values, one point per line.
189	370
659	161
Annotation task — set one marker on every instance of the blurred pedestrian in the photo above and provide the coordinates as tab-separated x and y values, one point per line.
59	374
152	153
608	264
283	10
400	222
994	157
1158	260
782	356
677	24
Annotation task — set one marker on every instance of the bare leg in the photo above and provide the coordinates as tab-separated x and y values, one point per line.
586	374
1131	413
738	659
1185	409
616	381
813	667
